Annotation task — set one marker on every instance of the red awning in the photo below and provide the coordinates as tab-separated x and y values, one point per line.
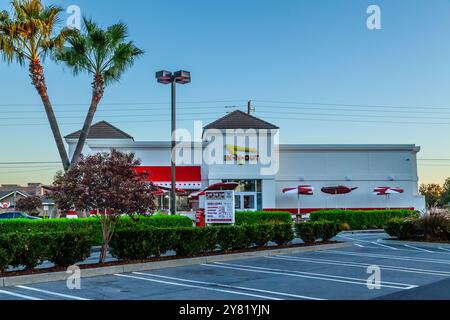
187	177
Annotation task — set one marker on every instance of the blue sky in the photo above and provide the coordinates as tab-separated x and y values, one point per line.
294	51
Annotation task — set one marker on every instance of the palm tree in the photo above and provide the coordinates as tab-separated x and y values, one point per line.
103	53
29	36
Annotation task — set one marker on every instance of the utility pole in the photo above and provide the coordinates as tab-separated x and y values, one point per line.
250	108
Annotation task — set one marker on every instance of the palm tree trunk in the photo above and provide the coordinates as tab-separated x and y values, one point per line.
38	80
98	89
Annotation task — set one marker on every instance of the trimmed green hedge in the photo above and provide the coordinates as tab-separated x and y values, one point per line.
309	232
91	225
258	217
29	249
145	242
403	229
361	220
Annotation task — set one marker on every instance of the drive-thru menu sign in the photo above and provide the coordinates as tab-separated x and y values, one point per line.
219	207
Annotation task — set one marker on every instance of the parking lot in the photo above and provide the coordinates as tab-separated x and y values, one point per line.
407	272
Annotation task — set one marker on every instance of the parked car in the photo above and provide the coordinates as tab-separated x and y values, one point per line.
16	215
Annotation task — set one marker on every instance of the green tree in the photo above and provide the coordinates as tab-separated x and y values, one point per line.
105	54
432	193
445	195
29	35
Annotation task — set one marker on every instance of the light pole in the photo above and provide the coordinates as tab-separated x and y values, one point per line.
167	77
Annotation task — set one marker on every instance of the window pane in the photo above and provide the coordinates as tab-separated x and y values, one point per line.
249	202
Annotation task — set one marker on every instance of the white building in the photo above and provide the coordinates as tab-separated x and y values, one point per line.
248	154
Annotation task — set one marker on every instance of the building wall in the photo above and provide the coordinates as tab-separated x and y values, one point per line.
362	166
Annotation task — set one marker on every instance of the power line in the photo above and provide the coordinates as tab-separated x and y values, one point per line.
122	103
353	105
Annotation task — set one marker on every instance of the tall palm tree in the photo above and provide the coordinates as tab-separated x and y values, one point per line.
103	53
29	35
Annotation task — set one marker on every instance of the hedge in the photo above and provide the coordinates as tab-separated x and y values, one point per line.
90	225
29	249
361	220
140	243
309	232
257	217
432	228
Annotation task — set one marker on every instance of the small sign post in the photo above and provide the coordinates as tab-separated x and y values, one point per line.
219	207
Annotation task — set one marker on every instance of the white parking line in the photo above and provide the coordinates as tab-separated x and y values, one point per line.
444	249
231	287
359	245
18	295
374	255
198	287
361	265
416	248
383	245
52	293
308	275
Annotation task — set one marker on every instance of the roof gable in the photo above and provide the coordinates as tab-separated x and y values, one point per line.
240	120
102	130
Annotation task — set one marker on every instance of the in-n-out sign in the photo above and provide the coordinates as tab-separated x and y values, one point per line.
5	205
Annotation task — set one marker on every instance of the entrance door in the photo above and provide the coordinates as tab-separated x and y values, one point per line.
245	201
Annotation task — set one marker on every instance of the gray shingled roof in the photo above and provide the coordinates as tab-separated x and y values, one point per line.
102	130
240	120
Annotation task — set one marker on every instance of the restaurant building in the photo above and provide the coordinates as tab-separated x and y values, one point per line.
246	150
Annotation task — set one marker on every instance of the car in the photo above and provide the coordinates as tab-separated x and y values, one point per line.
16	215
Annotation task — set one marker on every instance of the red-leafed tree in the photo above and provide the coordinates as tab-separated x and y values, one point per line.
106	182
30	205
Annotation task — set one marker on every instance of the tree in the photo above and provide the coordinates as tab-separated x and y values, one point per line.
445	195
29	35
29	205
106	182
104	54
432	193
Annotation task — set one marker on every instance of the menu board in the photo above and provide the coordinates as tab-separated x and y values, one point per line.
219	207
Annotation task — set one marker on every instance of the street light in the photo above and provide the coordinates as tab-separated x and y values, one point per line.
167	77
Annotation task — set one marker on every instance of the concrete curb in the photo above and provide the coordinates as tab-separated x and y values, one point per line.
364	231
87	273
416	243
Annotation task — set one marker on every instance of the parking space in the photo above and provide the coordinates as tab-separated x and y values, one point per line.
406	273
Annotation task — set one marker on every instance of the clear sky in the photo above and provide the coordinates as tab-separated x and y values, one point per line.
341	82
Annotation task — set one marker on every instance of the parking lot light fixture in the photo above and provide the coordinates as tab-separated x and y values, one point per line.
167	77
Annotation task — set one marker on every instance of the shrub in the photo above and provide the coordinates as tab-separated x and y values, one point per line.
232	238
309	232
306	231
403	229
327	230
362	219
91	225
282	234
139	243
259	217
260	234
435	227
67	248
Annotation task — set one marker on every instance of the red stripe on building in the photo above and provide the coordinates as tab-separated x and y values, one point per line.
182	174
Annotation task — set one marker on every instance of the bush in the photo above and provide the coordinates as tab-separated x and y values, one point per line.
67	248
91	225
309	232
232	238
282	234
433	227
139	243
306	231
30	249
260	234
259	217
362	219
403	229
